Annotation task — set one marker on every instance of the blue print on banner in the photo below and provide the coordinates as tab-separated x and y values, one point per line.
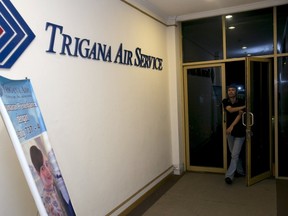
22	107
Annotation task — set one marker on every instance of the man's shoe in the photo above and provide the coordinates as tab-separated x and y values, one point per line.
236	174
228	180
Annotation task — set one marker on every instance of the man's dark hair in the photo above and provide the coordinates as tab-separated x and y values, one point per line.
232	86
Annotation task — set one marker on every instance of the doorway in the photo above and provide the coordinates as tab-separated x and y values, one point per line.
205	87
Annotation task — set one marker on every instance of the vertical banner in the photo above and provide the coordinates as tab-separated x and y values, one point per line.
26	127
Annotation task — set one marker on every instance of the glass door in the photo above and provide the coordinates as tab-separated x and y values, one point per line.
258	119
205	148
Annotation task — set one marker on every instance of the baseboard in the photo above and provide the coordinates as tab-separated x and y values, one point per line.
132	202
178	169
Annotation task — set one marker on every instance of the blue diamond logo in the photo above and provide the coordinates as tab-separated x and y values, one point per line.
15	34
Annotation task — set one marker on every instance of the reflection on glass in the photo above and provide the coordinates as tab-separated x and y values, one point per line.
259	78
283	115
252	34
282	31
202	40
205	117
235	75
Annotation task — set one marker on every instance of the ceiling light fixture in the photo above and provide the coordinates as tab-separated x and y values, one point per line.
231	27
228	16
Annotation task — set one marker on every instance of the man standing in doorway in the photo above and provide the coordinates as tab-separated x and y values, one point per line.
235	131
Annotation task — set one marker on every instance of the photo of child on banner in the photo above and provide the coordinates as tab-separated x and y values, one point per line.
48	178
24	122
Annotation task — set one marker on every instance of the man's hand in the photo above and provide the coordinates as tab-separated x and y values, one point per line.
229	130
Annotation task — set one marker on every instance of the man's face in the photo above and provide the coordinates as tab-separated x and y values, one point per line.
232	92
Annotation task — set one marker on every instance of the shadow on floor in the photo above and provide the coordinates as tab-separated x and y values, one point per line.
282	197
151	199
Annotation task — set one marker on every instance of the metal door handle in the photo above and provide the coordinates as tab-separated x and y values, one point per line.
243	119
252	119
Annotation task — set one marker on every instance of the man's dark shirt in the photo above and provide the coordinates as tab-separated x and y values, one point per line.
239	129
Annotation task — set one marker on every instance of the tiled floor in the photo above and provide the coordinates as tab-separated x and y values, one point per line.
203	194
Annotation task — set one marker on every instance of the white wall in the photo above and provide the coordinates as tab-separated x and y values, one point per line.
109	124
176	97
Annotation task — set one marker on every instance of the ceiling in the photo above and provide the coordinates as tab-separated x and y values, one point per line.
179	10
255	37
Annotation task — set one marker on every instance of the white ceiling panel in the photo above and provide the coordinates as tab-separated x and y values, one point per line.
180	10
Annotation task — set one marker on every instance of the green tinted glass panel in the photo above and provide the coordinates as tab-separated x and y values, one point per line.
202	40
282	31
283	116
205	117
252	34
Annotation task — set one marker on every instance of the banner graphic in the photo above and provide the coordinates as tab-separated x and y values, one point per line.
23	119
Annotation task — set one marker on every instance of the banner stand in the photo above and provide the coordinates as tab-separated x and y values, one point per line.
26	128
22	160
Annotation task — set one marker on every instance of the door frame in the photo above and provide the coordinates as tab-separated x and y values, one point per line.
249	179
186	121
